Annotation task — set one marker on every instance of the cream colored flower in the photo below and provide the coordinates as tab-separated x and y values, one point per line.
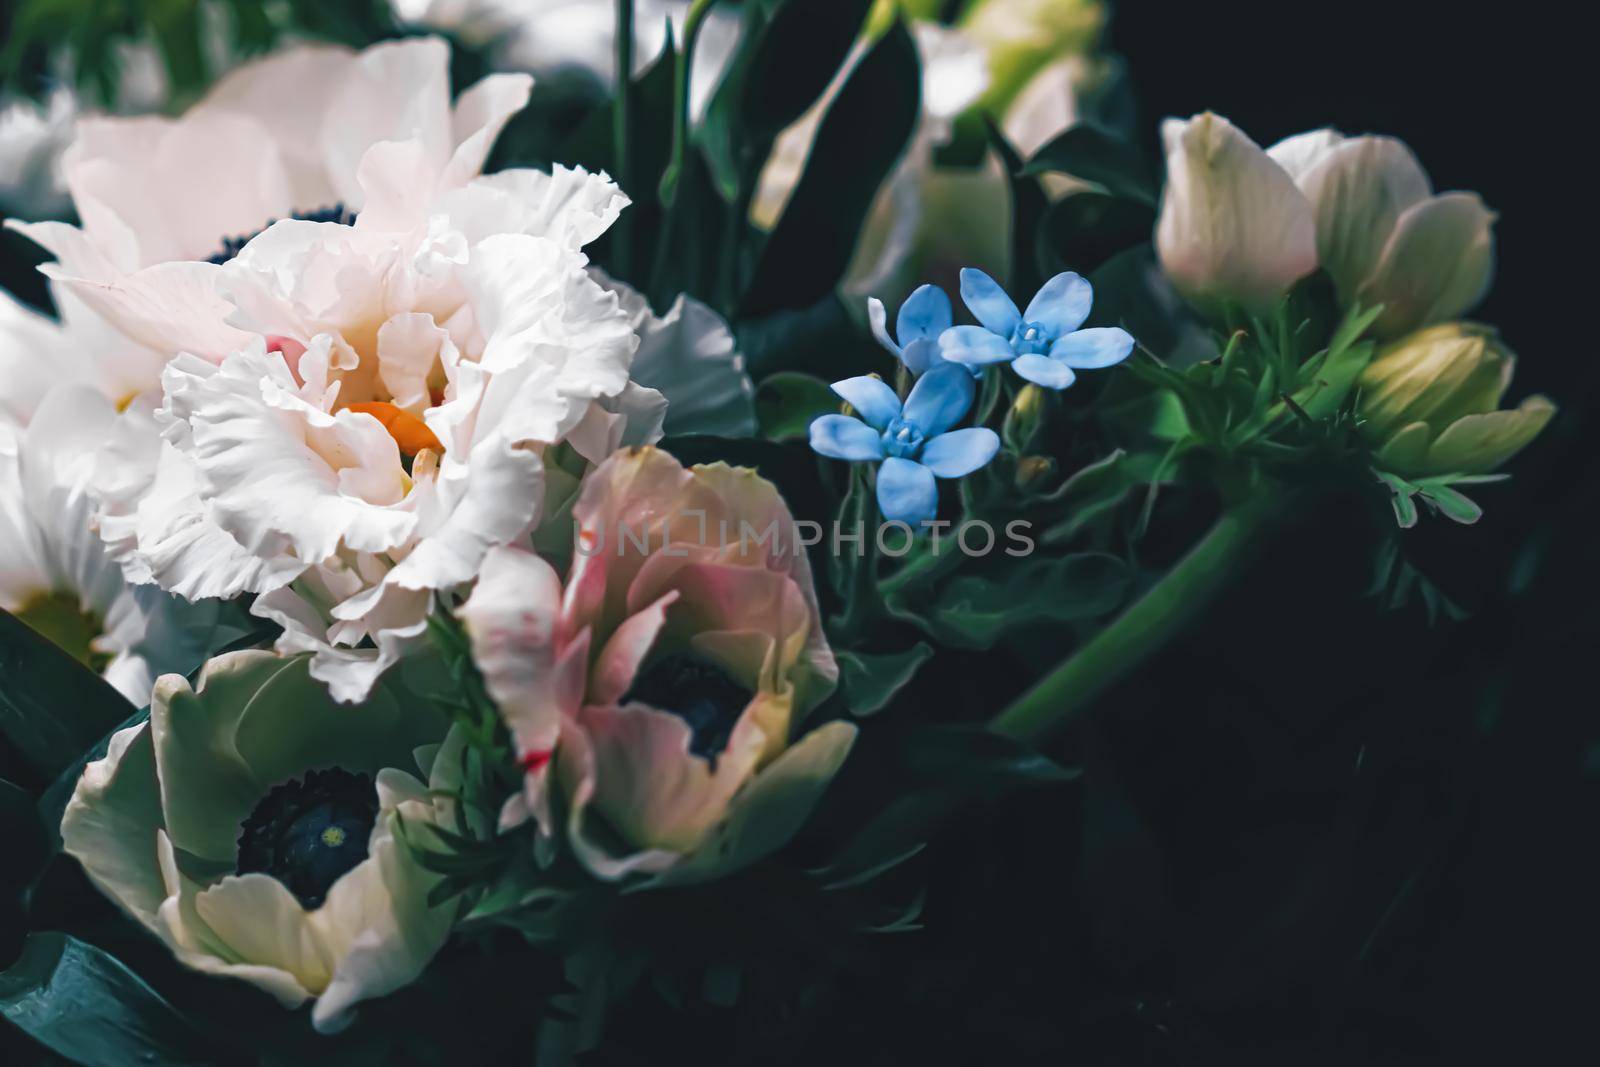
254	827
1430	403
1241	225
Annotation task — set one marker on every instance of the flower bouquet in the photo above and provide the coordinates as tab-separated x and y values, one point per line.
519	522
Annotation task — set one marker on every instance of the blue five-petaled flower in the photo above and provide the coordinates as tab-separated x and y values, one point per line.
925	315
913	440
1043	344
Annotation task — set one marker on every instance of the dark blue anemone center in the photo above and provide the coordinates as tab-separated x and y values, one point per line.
698	692
231	246
307	833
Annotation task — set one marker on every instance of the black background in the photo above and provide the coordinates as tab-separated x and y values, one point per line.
1375	840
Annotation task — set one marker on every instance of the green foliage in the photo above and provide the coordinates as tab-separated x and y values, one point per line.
45	994
863	133
935	772
1095	155
869	680
976	612
788	402
94	32
51	706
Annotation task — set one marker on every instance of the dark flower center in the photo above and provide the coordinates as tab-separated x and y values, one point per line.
308	832
231	246
699	693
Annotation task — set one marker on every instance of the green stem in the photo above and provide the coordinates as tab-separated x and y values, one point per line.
1141	630
622	131
681	83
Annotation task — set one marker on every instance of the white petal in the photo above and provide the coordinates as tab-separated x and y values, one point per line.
1359	189
689	357
1233	226
1437	264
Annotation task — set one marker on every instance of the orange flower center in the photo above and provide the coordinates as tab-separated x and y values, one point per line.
408	431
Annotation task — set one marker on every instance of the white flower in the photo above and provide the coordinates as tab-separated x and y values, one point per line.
311	131
55	574
38	353
34	134
1239	224
255	829
1233	225
384	425
1384	236
32	138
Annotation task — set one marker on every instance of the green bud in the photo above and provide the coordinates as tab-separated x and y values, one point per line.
1024	418
1430	401
1035	472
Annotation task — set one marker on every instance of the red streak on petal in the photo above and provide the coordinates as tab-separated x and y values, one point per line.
535	761
292	350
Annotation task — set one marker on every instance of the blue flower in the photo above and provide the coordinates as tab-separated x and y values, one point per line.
1043	345
914	442
923	317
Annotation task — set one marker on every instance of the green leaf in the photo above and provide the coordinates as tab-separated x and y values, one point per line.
1334	378
822	340
1028	205
1082	231
794	59
1452	504
859	140
27	850
790	50
787	403
975	612
85	1005
869	680
51	706
1092	154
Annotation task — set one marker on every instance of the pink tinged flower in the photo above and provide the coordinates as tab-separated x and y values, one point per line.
313	132
660	691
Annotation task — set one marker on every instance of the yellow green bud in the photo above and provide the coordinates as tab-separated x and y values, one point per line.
1429	403
1035	472
1024	418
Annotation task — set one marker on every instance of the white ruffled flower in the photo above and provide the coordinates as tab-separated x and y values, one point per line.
1243	225
55	574
308	132
383	425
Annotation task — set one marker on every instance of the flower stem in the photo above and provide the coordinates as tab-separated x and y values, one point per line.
1141	630
622	132
682	76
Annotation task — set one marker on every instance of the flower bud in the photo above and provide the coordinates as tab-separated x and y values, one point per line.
1234	228
1035	472
1429	403
1024	418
